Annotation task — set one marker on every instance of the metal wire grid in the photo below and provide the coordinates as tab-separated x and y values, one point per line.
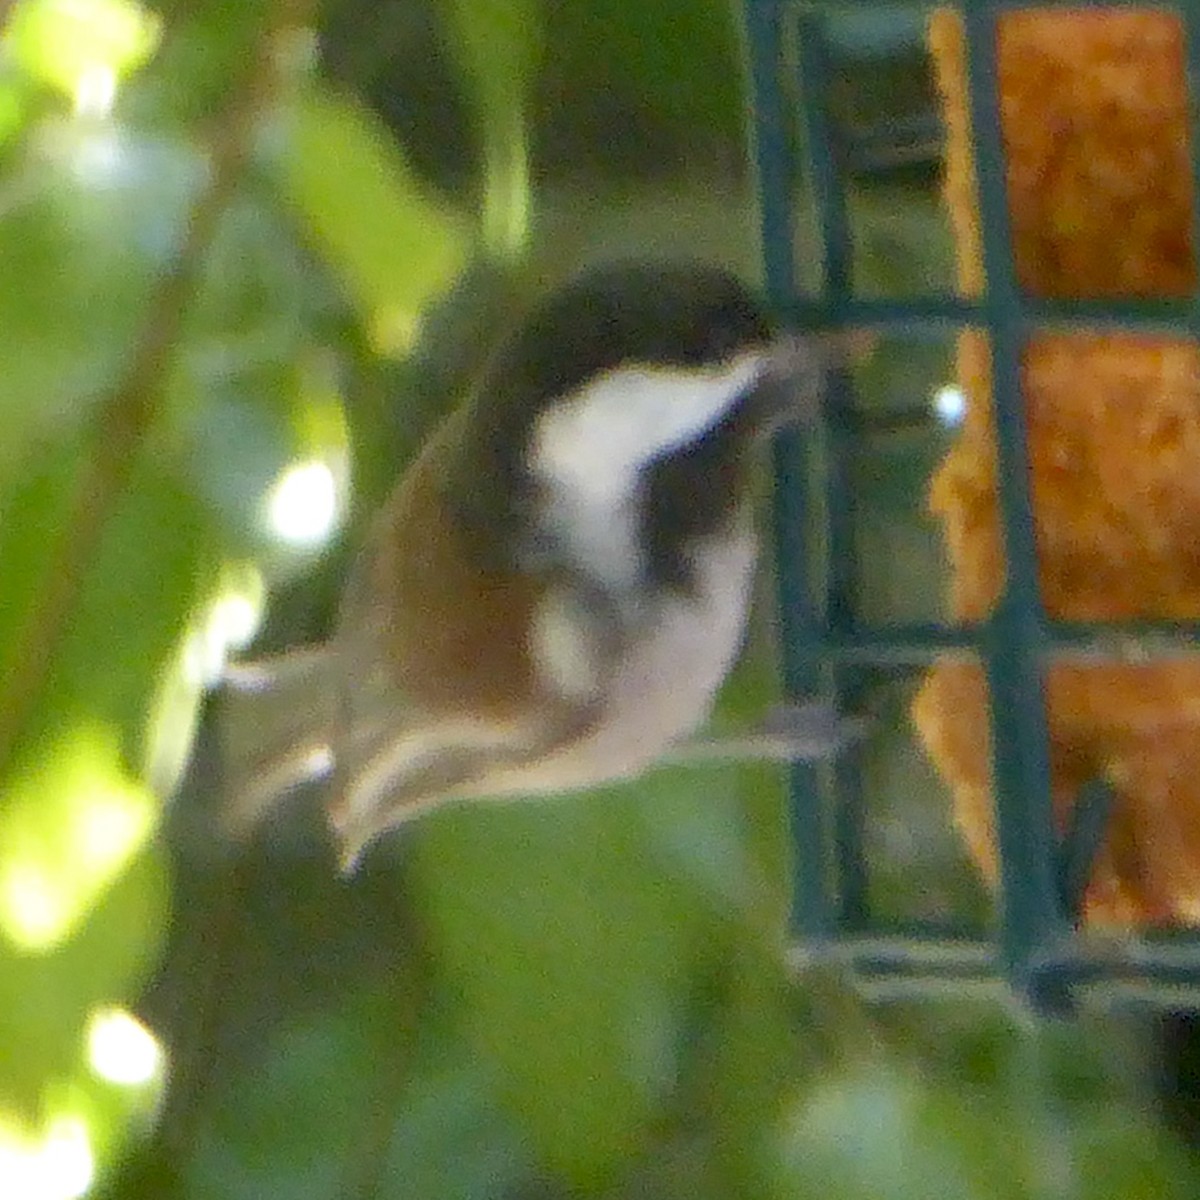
1041	875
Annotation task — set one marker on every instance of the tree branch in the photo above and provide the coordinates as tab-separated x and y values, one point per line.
124	421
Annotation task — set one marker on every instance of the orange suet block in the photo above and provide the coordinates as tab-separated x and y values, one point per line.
1094	115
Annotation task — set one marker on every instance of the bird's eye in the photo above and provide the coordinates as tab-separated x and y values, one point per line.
722	340
733	326
717	343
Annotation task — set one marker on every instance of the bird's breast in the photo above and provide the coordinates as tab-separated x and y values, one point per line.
662	686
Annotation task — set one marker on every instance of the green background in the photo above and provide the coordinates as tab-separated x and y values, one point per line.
288	236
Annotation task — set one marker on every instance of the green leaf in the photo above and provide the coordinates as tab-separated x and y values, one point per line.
89	217
345	1100
877	1133
746	1068
1127	1157
254	391
15	104
392	247
450	1137
211	46
295	1125
151	565
673	71
46	998
498	46
574	950
76	44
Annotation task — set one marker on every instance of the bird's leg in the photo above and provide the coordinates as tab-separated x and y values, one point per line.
805	731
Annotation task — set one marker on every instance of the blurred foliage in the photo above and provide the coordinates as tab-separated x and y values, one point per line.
242	246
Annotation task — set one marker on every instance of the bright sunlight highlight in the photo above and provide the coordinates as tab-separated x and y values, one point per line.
950	404
230	623
120	1049
58	1165
302	507
31	910
235	617
81	47
95	91
69	828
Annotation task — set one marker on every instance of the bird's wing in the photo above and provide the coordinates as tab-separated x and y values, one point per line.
438	678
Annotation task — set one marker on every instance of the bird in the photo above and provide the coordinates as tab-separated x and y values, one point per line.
556	588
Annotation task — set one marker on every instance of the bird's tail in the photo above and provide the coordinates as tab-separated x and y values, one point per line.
274	718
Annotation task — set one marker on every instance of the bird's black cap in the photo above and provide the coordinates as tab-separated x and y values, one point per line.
655	314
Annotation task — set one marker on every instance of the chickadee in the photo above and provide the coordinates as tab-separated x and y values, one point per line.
555	590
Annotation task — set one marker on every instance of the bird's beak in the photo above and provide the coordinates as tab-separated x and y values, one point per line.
796	369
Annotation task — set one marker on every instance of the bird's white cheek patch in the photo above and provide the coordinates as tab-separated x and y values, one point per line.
590	449
630	416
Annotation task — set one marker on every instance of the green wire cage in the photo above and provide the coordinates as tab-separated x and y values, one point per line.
1036	945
